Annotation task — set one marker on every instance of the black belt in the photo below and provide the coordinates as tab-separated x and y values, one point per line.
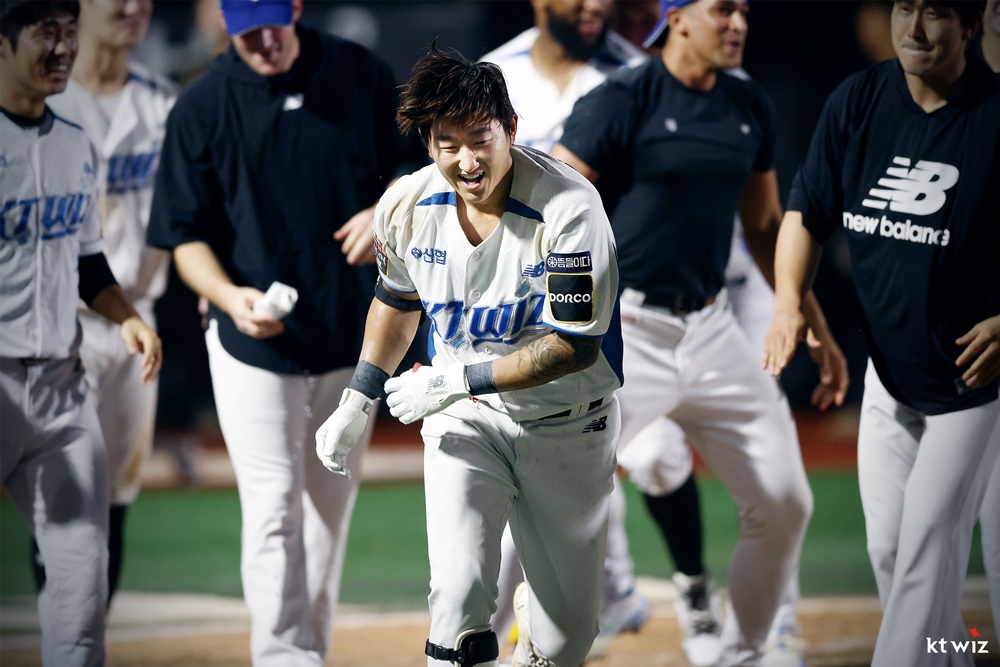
679	304
33	361
567	413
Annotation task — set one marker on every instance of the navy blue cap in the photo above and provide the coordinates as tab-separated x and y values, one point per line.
245	15
662	24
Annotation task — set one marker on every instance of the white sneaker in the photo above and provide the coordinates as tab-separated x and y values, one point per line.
785	648
699	611
525	653
626	614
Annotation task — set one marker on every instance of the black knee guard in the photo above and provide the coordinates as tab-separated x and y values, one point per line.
475	646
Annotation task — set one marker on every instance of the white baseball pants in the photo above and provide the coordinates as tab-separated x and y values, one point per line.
701	371
126	407
550	479
53	466
922	480
295	512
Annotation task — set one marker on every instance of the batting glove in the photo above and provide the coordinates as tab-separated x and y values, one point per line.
342	430
425	391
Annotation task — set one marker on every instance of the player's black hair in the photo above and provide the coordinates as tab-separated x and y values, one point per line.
969	12
445	86
16	14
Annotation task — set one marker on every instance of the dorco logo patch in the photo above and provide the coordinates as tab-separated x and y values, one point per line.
380	258
574	262
571	297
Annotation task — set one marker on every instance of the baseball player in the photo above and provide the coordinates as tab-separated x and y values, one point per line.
678	146
510	254
52	459
547	68
287	141
122	108
906	158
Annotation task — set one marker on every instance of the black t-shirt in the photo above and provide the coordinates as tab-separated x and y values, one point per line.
918	195
673	164
265	169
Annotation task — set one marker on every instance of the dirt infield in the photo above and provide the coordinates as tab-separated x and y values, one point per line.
840	631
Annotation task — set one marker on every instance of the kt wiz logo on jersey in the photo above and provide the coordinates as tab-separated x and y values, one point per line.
59	216
918	191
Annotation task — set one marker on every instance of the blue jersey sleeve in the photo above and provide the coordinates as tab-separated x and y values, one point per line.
600	127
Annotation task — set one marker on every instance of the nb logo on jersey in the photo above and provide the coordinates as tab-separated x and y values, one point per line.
917	191
598	424
533	270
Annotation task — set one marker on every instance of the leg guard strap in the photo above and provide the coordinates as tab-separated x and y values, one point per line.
474	647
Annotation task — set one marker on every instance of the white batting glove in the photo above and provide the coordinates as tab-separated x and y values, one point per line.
424	391
342	430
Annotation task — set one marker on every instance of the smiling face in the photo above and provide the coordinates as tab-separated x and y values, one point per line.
474	159
40	64
117	24
929	40
716	31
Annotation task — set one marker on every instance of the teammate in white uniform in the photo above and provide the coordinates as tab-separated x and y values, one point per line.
52	459
906	159
511	255
677	146
547	68
123	109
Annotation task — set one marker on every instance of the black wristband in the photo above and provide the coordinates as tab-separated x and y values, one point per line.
480	378
393	300
95	276
368	379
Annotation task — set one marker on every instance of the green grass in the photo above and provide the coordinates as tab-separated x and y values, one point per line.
188	541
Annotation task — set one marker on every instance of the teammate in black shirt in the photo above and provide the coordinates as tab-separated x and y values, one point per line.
906	158
677	147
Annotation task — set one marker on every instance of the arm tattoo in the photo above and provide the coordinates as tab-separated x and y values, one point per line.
557	354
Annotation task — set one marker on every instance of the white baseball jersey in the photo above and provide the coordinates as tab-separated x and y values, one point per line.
549	265
542	109
48	220
128	143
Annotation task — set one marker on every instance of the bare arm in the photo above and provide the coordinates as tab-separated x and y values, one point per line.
388	333
544	360
112	303
560	152
760	212
200	269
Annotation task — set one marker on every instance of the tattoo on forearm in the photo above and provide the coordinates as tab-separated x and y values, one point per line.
556	355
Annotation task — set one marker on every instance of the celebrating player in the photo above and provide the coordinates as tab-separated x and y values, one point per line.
906	158
511	255
678	146
290	135
52	458
547	68
122	107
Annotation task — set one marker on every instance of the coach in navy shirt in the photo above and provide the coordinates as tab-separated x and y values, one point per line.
283	147
906	159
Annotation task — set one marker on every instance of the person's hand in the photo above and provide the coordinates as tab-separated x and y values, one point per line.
833	376
982	348
140	337
358	237
787	329
342	430
425	390
238	304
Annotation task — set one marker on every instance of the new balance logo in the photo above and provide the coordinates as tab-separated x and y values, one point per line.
533	270
918	191
435	382
597	425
